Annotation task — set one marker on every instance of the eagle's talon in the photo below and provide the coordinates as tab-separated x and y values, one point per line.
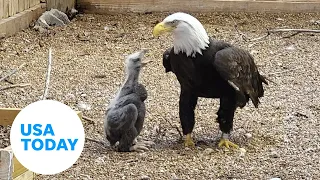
189	142
227	144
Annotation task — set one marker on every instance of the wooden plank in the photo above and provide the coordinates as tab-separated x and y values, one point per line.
15	6
31	3
7	115
1	9
10	12
34	2
21	5
61	5
6	165
28	175
18	169
6	8
116	6
26	4
49	4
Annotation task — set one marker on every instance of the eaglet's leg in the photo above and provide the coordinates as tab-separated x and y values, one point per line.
187	104
225	119
126	129
139	125
126	141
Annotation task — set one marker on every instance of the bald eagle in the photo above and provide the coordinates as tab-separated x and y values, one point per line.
208	68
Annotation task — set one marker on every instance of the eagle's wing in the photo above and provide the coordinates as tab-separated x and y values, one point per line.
238	68
166	60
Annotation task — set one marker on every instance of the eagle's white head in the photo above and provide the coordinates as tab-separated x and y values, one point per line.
188	33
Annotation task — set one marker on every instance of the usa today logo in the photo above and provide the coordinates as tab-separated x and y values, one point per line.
47	137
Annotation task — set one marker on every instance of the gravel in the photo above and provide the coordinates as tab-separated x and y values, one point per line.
278	140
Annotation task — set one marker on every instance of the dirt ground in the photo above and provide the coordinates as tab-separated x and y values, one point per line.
88	68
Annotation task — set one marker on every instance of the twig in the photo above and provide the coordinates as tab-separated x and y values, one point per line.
8	81
96	141
242	35
175	127
291	35
14	86
295	30
262	37
88	119
12	72
45	94
281	72
270	80
158	132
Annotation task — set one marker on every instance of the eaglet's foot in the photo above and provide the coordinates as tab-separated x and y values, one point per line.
226	143
142	146
189	142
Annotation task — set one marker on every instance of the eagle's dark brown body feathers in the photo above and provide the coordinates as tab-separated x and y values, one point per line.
222	71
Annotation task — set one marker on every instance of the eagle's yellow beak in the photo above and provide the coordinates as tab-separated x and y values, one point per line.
161	28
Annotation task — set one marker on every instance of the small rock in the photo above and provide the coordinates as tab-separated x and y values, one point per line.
83	106
174	176
248	135
208	151
290	48
2	35
144	177
288	118
253	52
143	155
107	28
242	151
156	129
70	96
91	18
26	50
309	150
187	148
199	148
99	160
2	48
315	22
275	179
274	154
280	19
83	95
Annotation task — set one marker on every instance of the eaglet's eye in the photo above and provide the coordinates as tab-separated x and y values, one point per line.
135	60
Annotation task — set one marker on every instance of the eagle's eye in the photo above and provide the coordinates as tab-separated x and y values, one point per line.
174	22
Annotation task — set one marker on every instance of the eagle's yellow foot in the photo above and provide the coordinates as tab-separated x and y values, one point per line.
227	143
189	142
